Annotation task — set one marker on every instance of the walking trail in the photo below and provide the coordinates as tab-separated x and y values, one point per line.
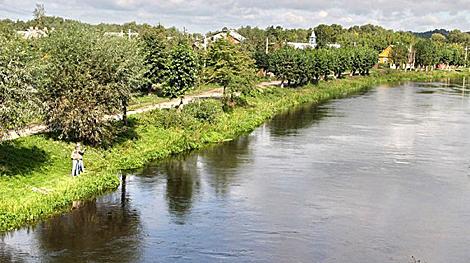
214	93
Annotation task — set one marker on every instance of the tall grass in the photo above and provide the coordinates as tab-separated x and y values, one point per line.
35	181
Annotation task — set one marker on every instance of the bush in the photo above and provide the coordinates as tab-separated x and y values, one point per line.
170	118
204	111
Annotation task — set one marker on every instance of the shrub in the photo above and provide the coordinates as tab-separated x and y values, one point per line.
204	111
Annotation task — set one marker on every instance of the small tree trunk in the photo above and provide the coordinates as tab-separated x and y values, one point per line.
124	112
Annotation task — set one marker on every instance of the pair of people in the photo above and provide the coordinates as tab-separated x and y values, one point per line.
77	160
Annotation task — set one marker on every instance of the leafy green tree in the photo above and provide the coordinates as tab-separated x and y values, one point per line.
156	56
426	53
181	71
19	102
399	55
459	37
84	79
229	66
323	63
283	63
327	34
340	61
437	37
362	60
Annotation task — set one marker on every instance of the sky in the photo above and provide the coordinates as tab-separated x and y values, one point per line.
208	15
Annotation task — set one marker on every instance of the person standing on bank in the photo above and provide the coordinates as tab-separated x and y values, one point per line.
81	152
75	156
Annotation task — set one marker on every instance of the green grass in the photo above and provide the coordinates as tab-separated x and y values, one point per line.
36	182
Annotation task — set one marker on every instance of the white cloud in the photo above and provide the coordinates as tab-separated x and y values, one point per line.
204	15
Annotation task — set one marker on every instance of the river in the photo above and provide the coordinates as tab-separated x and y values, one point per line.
378	177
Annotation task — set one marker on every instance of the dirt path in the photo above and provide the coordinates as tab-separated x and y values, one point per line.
214	93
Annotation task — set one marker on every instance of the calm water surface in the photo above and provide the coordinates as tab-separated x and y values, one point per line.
374	178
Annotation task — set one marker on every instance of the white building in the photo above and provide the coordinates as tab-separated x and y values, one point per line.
312	43
34	33
129	34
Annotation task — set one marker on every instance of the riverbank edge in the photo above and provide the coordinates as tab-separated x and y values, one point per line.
155	143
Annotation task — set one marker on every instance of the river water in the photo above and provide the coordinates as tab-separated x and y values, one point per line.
379	177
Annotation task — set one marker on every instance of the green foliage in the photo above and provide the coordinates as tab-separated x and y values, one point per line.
20	205
181	71
400	54
299	67
327	34
205	111
229	66
426	53
84	78
156	55
170	119
19	102
437	37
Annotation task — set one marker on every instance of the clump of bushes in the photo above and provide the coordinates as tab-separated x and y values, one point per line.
189	117
204	111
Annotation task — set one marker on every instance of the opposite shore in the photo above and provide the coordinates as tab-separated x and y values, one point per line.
37	183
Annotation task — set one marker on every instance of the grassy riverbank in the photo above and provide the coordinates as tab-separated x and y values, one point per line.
36	181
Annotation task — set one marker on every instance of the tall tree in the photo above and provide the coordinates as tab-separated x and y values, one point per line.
39	14
85	78
230	67
399	55
18	97
156	55
181	71
327	34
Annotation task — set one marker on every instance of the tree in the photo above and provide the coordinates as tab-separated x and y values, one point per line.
84	79
426	53
456	36
282	64
437	37
39	13
230	67
340	61
327	34
18	97
181	71
399	55
156	56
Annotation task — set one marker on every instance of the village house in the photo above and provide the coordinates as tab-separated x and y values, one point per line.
228	34
385	57
34	32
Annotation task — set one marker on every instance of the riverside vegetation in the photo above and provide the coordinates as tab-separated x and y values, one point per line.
76	77
36	182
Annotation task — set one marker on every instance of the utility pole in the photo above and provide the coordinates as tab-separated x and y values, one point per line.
267	45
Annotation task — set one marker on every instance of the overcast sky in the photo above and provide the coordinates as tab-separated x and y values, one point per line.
206	15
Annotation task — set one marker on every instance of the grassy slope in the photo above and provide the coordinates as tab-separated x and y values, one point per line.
38	162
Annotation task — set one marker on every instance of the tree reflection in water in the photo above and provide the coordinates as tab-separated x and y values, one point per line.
108	231
292	120
182	185
223	162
